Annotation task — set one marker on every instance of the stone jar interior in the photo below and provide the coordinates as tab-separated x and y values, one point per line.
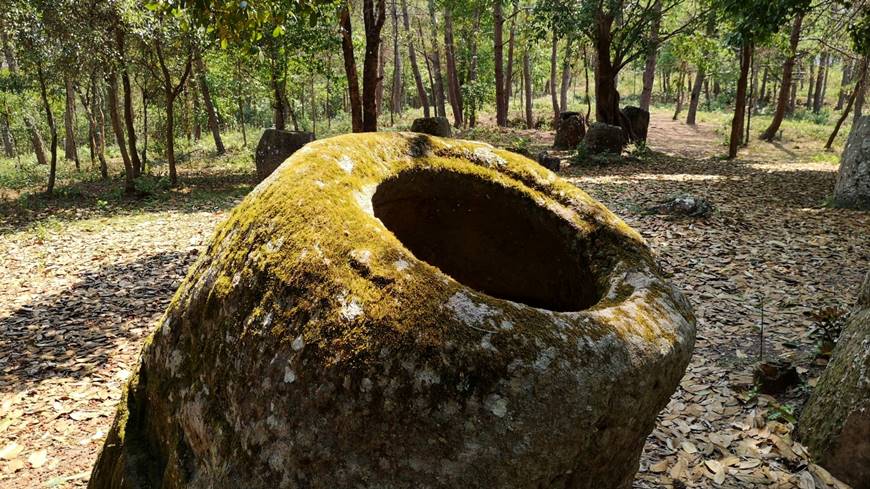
488	237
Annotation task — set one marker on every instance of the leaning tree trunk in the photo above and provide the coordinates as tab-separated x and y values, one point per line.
821	79
412	57
374	15
213	122
862	76
785	87
740	101
695	97
843	95
356	115
69	123
36	141
649	71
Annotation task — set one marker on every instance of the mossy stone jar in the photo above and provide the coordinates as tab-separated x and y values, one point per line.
395	310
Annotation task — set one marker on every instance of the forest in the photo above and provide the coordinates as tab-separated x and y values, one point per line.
689	177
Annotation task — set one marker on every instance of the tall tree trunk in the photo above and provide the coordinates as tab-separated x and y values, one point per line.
6	133
498	54
695	97
49	117
356	115
396	88
681	82
472	68
740	100
821	78
379	87
412	57
171	93
452	75
649	71
118	129
787	85
812	82
69	123
509	72
8	53
374	15
101	127
435	58
566	76
527	88
213	121
606	94
554	49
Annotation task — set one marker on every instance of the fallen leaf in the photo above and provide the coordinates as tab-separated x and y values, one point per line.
37	459
10	451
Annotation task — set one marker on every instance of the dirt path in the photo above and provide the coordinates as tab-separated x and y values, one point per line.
78	298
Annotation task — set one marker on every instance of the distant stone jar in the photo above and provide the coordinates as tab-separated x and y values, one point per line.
605	138
275	147
434	126
393	310
572	128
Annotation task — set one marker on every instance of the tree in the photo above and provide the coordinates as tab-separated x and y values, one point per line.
211	113
649	71
786	83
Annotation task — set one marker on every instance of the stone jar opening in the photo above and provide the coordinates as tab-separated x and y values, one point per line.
489	237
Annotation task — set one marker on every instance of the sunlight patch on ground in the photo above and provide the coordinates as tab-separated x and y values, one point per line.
621	179
791	167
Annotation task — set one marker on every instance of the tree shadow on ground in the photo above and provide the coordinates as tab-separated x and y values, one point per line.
72	333
197	191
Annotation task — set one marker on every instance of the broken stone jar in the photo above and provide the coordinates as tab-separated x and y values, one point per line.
393	310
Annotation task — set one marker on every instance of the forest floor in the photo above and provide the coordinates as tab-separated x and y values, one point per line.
83	283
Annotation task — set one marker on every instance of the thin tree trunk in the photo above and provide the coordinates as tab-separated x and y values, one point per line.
379	87
554	48
527	88
36	140
6	133
118	128
498	54
97	101
740	101
566	76
509	72
844	84
213	120
862	77
861	89
787	84
821	77
171	93
43	91
681	82
472	68
586	82
812	82
695	97
396	88
11	62
69	123
649	71
452	75
412	57
356	114
752	97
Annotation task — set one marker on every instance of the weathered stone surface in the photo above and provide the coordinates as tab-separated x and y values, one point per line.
393	310
638	119
435	126
572	128
683	205
853	182
835	424
604	138
275	147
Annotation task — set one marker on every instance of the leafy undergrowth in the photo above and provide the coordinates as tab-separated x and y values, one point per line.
84	282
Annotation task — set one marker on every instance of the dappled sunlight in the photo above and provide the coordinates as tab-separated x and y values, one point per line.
623	179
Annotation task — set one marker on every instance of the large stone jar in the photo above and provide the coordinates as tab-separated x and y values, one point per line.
395	310
275	147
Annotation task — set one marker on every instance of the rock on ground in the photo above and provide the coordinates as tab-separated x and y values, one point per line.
571	130
434	126
638	119
438	313
275	147
835	424
604	138
853	182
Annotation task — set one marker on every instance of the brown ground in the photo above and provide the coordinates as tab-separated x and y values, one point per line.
78	298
